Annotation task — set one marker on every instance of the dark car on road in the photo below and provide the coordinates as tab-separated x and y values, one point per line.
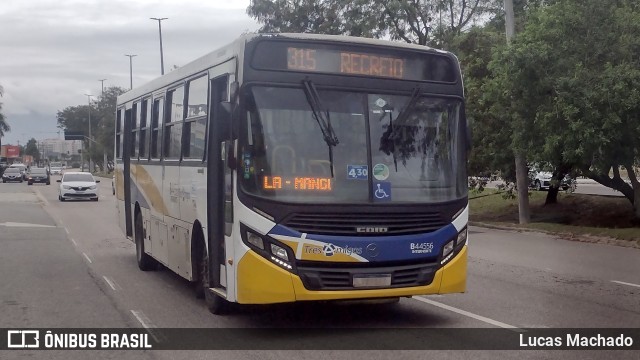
39	175
12	174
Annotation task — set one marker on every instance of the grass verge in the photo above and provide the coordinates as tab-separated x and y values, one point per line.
589	218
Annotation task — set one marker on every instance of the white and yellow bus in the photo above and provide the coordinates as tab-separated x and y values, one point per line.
295	167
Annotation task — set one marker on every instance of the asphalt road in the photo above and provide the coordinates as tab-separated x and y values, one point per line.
67	264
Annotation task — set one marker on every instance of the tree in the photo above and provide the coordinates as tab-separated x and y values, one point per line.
432	22
573	77
424	22
4	126
491	148
32	149
335	17
74	118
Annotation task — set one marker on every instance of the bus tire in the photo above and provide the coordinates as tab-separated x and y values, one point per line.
145	262
215	303
200	269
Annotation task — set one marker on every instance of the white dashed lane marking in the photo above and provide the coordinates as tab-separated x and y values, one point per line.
468	314
625	283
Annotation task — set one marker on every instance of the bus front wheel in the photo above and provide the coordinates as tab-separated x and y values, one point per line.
145	262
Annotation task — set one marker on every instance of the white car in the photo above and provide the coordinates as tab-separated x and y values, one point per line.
78	185
541	180
56	171
22	168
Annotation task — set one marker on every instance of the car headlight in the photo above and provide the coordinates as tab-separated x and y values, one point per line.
93	187
66	187
269	248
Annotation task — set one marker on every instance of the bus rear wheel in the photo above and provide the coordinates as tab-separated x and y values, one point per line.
145	262
215	303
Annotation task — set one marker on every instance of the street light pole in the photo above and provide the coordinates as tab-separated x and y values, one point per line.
89	100
160	31
130	70
102	81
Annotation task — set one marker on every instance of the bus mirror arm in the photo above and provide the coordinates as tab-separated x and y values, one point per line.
233	91
230	157
227	149
467	128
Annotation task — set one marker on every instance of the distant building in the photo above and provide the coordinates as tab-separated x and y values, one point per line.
58	147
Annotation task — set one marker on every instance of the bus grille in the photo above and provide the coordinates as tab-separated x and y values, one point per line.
348	224
320	278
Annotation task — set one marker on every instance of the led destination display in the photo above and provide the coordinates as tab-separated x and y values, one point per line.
369	61
296	183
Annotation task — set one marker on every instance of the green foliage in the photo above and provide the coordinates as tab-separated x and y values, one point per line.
427	22
335	17
491	148
4	126
569	84
32	149
75	118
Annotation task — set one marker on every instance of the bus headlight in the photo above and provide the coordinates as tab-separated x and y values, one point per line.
454	246
255	240
448	248
279	252
462	239
268	248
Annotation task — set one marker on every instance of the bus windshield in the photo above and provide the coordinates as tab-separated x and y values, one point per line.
418	157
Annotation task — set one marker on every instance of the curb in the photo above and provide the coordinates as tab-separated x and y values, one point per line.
564	235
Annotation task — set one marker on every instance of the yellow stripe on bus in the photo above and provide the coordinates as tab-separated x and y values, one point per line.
147	185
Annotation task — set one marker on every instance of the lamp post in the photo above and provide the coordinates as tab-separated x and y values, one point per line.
130	69
160	31
89	100
102	81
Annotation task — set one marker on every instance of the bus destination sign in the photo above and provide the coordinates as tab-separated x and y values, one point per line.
296	183
364	61
345	62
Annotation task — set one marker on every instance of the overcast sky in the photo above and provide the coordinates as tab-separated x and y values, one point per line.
54	51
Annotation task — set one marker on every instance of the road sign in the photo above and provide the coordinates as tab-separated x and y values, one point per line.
73	135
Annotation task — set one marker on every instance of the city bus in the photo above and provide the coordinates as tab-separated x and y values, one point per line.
299	167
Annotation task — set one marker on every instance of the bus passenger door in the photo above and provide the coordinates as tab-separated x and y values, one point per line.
218	181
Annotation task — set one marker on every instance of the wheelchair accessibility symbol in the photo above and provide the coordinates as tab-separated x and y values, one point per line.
382	191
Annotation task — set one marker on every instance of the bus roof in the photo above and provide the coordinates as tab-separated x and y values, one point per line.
236	48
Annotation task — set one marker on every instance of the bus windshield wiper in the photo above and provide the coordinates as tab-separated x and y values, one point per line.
322	117
402	118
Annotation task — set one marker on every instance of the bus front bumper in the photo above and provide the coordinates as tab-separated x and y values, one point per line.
262	282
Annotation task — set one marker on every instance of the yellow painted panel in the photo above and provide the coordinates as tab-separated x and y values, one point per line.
304	294
454	276
262	282
148	186
292	244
